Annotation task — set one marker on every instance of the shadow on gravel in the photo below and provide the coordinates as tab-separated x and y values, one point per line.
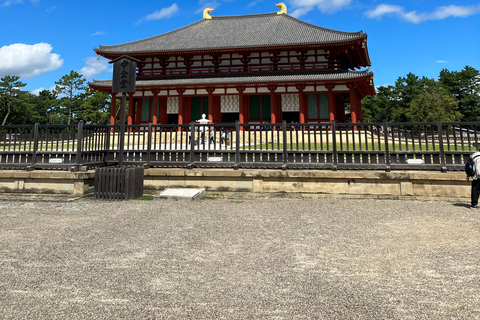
465	205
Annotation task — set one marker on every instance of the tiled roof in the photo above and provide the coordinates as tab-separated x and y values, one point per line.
243	31
254	78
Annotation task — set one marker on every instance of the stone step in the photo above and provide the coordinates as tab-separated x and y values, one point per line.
182	194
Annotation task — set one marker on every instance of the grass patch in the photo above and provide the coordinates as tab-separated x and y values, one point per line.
146	198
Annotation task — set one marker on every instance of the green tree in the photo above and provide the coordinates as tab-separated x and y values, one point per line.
9	94
72	86
95	107
46	103
465	88
431	106
381	106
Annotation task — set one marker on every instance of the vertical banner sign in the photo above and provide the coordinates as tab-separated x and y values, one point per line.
124	77
124	74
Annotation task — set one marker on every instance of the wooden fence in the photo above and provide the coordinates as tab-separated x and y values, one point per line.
333	146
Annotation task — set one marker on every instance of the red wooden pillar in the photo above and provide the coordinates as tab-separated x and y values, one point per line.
273	104
162	110
113	110
354	102
131	111
218	108
332	106
278	106
241	106
155	107
138	112
211	106
302	109
181	107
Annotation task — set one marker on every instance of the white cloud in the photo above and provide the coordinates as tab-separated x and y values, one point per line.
454	11
384	9
98	33
414	17
94	67
441	61
28	61
204	4
301	7
7	3
37	91
161	14
10	2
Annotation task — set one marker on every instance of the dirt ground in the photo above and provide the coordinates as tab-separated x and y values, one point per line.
239	258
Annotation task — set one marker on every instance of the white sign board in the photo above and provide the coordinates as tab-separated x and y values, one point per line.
56	160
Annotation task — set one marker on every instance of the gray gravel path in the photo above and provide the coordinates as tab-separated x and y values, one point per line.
239	259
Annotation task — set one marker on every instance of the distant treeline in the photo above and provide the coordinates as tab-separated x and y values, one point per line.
70	102
455	96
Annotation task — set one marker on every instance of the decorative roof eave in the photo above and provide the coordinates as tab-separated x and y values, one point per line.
365	77
359	45
206	51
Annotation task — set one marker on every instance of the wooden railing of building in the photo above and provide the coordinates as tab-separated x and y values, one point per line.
332	146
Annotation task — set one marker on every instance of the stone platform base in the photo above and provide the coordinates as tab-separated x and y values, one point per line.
424	185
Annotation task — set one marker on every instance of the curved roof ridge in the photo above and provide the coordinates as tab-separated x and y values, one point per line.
190	26
323	28
157	36
240	31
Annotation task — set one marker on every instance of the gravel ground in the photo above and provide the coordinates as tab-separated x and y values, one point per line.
239	259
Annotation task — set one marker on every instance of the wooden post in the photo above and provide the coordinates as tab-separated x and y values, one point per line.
211	105
332	114
113	109
302	110
131	109
353	103
155	108
334	142
387	150
181	107
35	144
442	150
78	159
237	145
122	130
241	106
273	105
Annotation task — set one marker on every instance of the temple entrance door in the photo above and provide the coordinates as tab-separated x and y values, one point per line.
260	108
199	107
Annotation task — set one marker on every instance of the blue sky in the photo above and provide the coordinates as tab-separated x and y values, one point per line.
42	40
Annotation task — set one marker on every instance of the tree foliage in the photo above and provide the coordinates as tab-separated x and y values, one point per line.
71	86
9	94
454	97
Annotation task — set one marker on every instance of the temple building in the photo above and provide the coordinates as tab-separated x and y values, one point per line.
251	68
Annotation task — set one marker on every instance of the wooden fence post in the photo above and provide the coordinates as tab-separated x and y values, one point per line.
35	145
285	154
387	151
442	150
78	159
334	141
237	145
192	144
149	146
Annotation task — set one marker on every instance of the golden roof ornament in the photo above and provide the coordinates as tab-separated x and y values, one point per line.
283	8
206	13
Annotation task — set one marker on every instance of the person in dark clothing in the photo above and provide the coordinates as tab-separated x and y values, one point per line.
475	181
